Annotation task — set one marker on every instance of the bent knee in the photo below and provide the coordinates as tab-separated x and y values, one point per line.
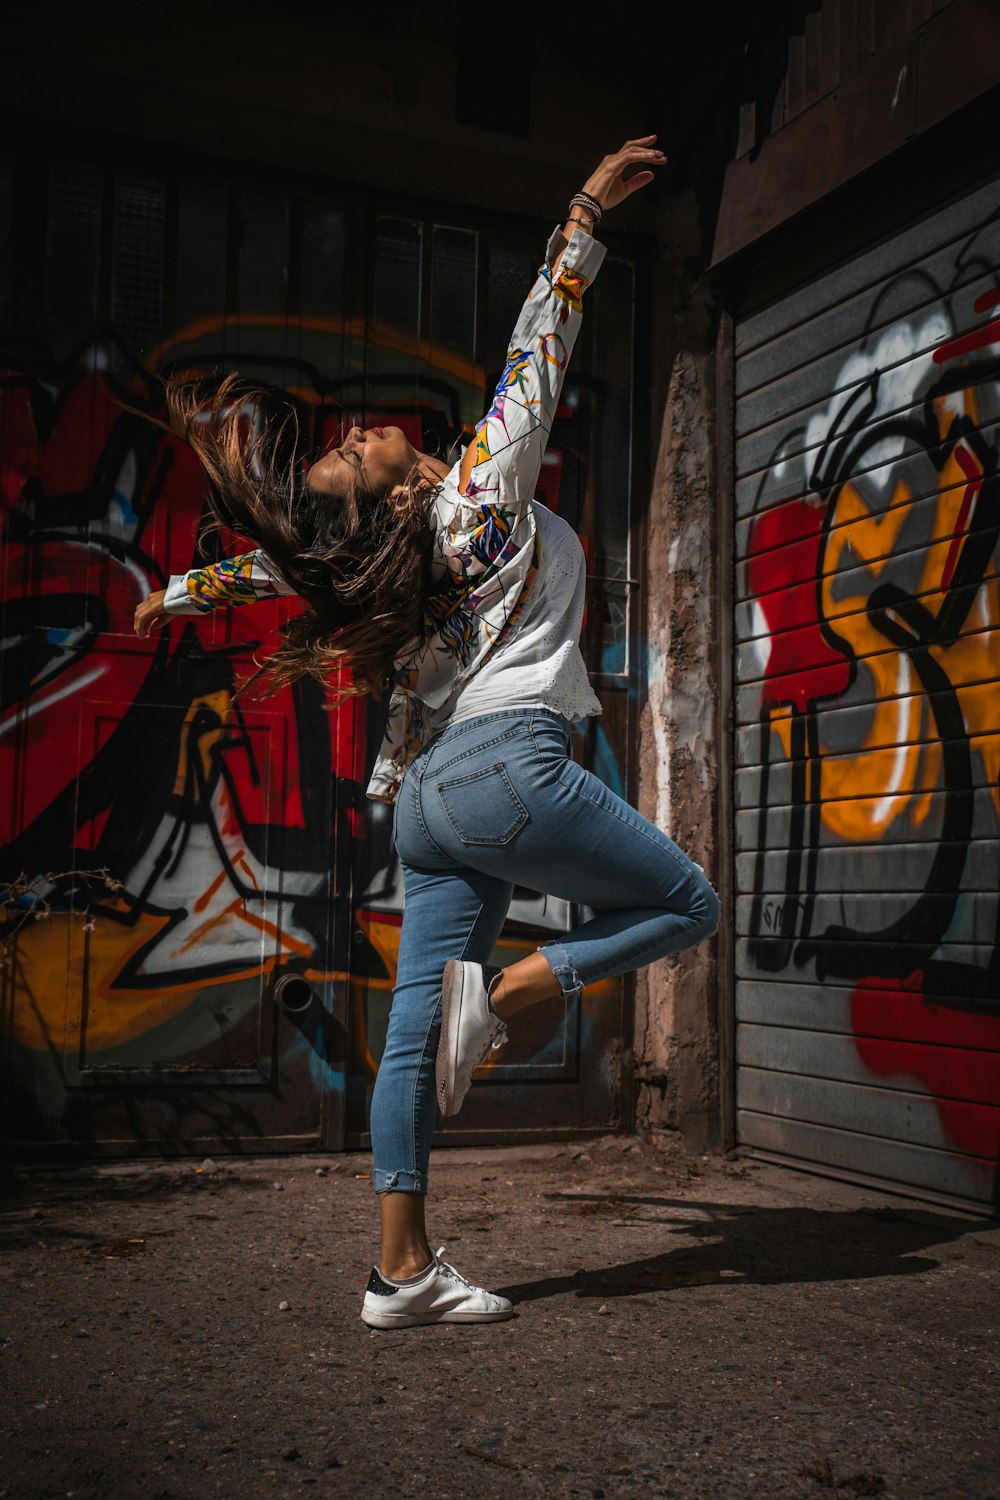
704	907
695	898
713	909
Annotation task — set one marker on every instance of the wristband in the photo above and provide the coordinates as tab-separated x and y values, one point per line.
585	200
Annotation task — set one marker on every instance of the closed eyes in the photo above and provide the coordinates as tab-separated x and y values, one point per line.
358	467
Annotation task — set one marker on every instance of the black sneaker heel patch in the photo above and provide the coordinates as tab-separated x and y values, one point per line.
378	1286
490	972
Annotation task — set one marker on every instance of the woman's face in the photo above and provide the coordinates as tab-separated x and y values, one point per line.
375	457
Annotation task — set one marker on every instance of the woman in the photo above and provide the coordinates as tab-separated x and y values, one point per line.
453	583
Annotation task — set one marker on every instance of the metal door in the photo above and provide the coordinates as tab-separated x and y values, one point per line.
867	753
170	851
173	850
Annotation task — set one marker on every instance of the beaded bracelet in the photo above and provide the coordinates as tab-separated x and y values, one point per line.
586	223
584	200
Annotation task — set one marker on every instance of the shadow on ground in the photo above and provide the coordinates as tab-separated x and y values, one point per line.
758	1246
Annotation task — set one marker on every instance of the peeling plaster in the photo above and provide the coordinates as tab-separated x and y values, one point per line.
675	1036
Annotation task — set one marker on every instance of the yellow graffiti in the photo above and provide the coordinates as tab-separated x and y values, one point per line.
357	338
897	768
207	740
59	1005
69	986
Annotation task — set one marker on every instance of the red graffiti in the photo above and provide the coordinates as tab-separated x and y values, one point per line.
784	549
955	1053
77	589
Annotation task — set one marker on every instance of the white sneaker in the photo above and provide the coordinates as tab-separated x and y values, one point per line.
440	1295
470	1030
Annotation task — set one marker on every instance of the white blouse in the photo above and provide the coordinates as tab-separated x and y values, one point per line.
540	664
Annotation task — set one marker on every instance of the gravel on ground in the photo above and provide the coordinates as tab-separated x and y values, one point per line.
686	1326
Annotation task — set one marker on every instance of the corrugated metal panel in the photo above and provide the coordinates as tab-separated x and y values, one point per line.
867	751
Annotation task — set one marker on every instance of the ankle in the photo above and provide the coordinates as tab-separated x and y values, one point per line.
503	997
522	984
402	1267
496	990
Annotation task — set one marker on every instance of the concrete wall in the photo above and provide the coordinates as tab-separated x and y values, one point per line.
676	1000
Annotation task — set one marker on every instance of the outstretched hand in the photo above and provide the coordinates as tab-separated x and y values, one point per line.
150	614
608	183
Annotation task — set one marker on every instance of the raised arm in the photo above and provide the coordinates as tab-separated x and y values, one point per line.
236	580
500	467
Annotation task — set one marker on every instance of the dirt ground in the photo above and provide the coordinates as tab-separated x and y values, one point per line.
686	1327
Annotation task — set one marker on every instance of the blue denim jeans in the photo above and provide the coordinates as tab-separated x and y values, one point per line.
490	803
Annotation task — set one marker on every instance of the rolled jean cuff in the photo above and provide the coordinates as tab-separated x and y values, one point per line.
563	968
399	1182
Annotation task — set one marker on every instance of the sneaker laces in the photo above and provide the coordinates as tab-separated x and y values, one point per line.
449	1270
490	975
496	1041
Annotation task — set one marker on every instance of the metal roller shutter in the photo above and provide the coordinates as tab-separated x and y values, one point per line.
867	708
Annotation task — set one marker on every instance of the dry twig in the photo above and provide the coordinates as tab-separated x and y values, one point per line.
15	893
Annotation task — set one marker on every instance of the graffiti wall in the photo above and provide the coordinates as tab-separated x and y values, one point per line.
170	850
868	711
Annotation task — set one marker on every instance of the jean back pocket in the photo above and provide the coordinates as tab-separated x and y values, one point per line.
483	807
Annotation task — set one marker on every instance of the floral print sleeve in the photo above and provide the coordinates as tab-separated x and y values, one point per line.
235	580
510	439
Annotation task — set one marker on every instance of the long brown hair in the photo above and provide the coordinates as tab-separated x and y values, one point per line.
362	564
